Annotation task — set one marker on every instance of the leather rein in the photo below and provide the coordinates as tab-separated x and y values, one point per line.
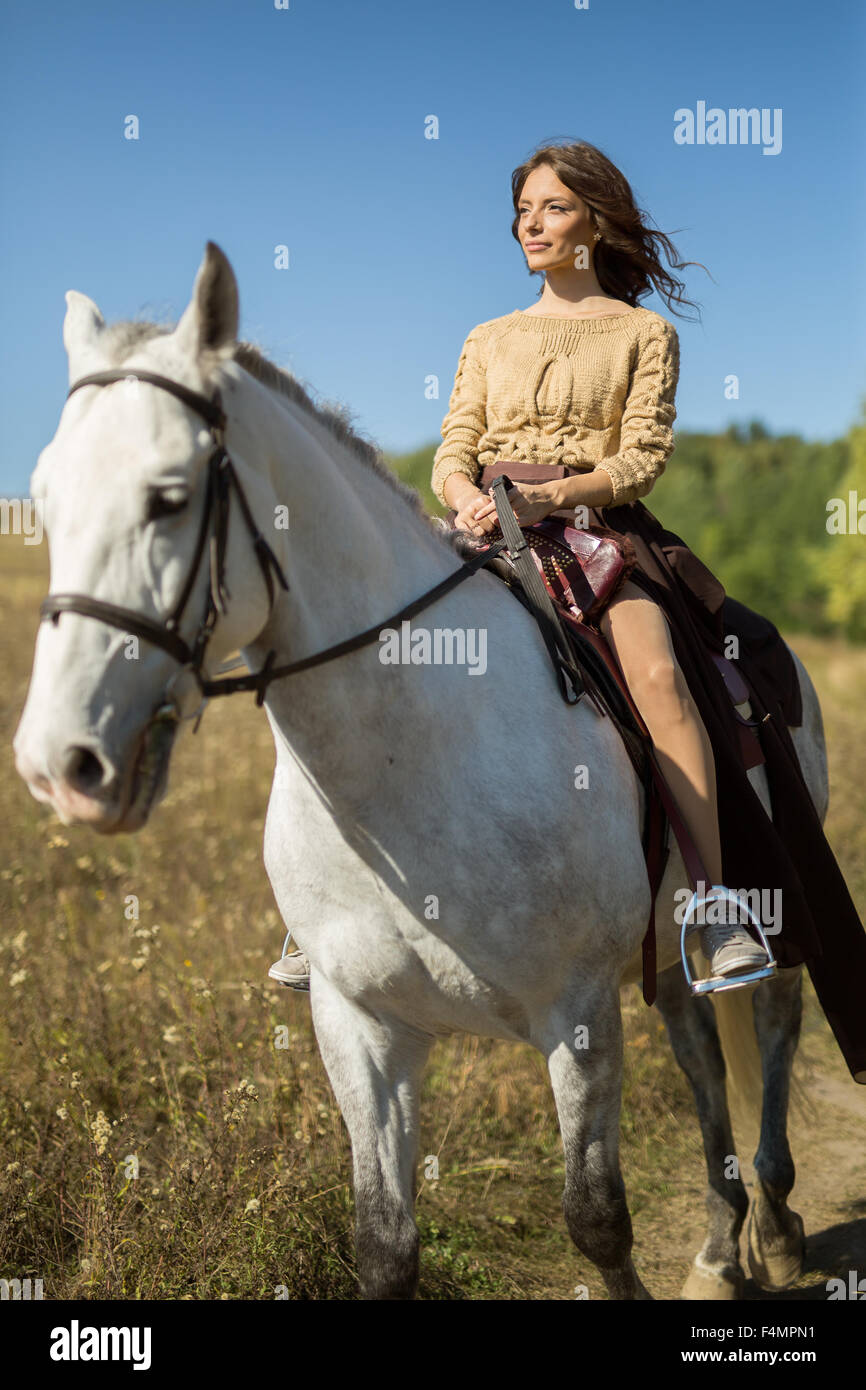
222	482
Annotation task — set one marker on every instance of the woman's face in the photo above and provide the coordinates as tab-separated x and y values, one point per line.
553	222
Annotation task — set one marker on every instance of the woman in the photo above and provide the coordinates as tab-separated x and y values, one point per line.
586	378
559	383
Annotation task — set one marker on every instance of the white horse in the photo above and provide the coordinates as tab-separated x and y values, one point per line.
425	840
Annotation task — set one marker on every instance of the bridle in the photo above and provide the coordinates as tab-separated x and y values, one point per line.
222	482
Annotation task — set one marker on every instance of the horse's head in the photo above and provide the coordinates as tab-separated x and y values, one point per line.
124	486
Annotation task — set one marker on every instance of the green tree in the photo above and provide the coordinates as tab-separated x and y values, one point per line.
844	558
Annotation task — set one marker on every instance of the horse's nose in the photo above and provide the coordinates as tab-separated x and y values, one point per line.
84	771
31	772
84	786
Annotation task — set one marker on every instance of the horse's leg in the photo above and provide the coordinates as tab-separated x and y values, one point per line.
374	1065
776	1240
587	1087
691	1025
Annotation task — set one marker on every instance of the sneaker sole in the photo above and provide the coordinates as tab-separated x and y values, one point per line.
717	984
303	984
741	965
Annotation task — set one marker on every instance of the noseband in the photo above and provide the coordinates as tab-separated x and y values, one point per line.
222	482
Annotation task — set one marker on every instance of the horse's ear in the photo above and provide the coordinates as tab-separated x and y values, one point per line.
209	326
82	332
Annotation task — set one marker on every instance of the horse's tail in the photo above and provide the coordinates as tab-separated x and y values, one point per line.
735	1022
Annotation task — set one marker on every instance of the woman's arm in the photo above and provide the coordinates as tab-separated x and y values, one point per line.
646	437
455	464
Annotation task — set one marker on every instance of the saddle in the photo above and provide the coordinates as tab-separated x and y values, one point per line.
565	575
583	568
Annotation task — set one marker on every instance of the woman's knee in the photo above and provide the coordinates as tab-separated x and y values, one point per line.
638	633
646	657
640	638
660	688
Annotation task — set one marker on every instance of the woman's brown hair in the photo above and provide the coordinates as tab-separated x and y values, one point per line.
626	259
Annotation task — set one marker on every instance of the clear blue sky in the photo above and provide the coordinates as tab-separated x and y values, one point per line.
306	127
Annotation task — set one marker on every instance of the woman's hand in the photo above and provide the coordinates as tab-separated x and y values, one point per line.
530	502
467	514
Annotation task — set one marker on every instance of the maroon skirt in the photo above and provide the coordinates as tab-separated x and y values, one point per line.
820	926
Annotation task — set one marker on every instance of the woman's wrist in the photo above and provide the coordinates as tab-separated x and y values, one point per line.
592	489
458	489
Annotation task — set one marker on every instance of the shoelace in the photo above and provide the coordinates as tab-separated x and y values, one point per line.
717	934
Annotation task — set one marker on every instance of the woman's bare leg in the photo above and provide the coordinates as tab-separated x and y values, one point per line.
638	634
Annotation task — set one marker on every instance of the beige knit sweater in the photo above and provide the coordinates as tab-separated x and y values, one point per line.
591	392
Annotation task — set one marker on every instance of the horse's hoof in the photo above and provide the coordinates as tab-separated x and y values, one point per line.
707	1285
778	1264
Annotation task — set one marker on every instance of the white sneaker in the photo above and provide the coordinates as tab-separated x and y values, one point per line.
292	970
731	950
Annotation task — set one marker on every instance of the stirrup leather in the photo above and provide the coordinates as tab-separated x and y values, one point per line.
717	983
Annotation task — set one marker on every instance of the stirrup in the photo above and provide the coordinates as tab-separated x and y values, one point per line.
715	984
301	982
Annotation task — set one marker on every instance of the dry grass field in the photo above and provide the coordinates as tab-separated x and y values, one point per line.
166	1127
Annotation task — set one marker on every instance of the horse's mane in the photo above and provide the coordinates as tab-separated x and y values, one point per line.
124	336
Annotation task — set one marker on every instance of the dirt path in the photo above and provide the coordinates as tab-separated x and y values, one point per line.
828	1142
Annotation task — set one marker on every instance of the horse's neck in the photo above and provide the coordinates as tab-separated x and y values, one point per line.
354	553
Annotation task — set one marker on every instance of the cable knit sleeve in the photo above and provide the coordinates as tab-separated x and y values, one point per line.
466	420
646	430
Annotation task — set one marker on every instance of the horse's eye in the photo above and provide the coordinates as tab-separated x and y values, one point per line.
166	502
